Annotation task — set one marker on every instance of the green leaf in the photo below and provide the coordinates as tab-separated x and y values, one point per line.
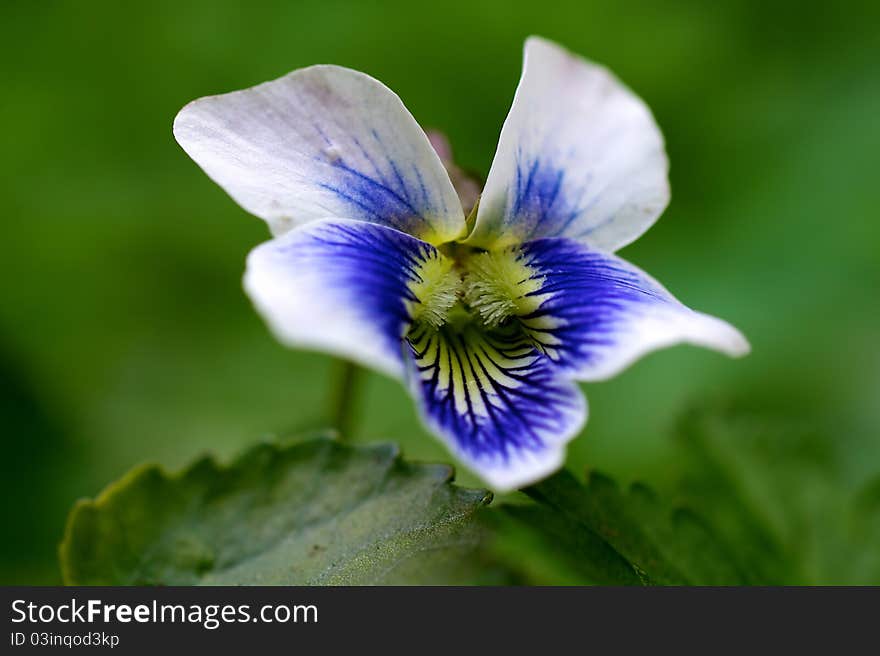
547	547
790	499
759	501
313	512
594	533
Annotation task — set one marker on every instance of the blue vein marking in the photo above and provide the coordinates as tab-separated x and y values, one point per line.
592	296
365	267
538	204
517	418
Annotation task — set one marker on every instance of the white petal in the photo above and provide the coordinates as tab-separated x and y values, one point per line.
580	156
598	313
318	142
339	286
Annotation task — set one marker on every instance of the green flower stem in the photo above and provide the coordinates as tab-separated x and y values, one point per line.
344	397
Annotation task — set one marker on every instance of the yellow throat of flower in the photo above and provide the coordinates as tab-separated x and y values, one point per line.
437	290
472	286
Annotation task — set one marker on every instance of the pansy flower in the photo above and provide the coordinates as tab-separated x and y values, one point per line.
489	319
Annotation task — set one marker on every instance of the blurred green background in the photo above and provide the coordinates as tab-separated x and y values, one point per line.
124	333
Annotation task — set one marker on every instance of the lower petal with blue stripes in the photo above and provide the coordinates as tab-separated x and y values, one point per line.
496	400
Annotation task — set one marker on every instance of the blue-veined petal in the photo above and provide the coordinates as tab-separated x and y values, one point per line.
579	156
594	314
318	142
496	402
342	286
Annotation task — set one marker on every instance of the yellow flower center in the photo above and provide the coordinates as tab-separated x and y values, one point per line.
469	286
